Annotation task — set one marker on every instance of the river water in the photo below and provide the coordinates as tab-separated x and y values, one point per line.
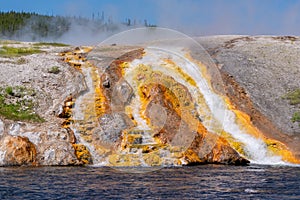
194	182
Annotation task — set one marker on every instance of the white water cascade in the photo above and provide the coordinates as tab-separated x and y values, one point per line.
220	115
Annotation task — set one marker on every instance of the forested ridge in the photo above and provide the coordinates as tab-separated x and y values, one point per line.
14	24
33	26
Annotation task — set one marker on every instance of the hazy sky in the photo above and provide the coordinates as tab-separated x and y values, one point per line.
195	17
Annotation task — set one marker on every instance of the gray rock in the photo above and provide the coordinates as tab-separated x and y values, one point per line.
1	128
124	91
15	129
111	127
56	153
121	95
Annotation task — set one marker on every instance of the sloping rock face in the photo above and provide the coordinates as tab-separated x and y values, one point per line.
258	73
205	147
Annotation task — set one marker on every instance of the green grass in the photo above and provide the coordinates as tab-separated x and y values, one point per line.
9	90
54	44
6	42
15	112
293	97
296	117
7	51
19	91
22	110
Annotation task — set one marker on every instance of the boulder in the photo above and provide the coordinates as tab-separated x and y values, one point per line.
122	93
83	154
56	153
16	151
210	148
111	127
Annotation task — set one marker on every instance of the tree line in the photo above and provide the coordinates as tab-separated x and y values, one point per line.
15	25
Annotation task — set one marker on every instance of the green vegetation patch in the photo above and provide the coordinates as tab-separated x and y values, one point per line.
7	51
293	97
296	117
9	91
6	42
54	70
54	44
17	103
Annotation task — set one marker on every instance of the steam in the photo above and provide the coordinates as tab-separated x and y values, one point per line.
194	18
70	30
90	33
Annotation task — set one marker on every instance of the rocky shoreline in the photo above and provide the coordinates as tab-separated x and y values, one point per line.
257	72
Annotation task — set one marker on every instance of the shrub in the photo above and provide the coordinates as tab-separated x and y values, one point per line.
296	117
54	70
9	90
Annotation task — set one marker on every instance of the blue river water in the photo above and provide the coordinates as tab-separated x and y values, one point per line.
194	182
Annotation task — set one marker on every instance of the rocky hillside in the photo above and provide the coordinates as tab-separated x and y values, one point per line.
34	83
262	78
59	105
